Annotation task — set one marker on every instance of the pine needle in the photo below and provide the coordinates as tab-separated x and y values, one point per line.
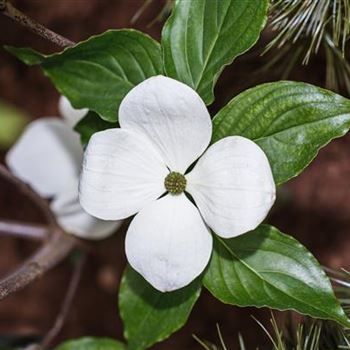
309	21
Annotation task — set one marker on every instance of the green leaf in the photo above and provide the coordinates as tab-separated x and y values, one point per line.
90	343
150	316
12	123
90	124
26	55
290	121
265	268
203	36
98	73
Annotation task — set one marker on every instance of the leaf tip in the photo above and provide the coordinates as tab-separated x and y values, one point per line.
26	55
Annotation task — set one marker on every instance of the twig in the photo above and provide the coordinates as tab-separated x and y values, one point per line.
32	195
66	304
24	230
56	248
50	254
10	11
140	11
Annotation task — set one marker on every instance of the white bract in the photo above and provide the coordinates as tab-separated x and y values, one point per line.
144	168
71	115
48	157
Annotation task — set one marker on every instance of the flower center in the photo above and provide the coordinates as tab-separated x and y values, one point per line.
175	183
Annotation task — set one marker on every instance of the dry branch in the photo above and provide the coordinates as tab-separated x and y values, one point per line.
66	304
31	195
57	246
10	11
31	231
50	254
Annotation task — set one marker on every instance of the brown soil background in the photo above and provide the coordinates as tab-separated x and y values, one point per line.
314	207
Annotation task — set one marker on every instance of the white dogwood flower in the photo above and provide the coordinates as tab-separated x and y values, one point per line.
48	157
144	168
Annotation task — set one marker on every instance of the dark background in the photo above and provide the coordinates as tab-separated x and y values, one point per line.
314	208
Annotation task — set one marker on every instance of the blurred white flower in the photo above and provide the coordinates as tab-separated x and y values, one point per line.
144	168
71	115
48	157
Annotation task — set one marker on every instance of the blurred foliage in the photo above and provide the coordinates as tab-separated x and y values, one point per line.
91	343
12	122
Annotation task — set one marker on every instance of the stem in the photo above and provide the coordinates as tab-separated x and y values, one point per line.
10	11
54	250
28	192
66	304
50	254
24	230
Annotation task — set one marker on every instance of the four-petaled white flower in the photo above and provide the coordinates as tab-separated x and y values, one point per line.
48	157
144	168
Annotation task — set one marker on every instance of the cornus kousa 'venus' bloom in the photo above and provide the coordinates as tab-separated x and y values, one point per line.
48	157
144	168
